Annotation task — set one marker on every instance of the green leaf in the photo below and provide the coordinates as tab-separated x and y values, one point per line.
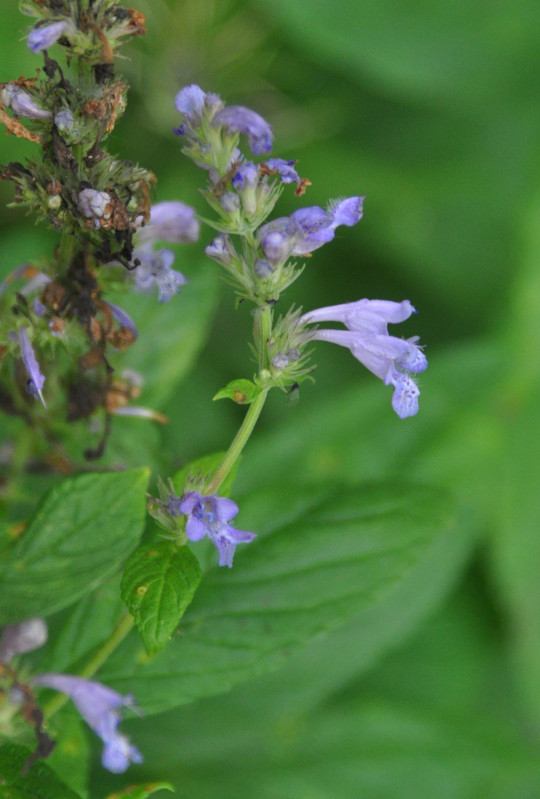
323	555
141	791
178	328
159	582
240	391
81	533
40	783
437	719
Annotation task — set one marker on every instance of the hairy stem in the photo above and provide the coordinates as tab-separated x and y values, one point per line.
238	443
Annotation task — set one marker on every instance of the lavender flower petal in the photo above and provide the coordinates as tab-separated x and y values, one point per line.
35	380
44	36
190	101
171	221
244	120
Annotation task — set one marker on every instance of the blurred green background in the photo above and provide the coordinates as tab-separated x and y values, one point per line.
431	110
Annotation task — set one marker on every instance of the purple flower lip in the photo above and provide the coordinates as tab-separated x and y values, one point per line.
244	120
100	708
35	380
190	101
155	268
209	515
390	358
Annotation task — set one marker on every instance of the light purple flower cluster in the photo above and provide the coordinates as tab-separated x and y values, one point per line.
389	358
173	222
307	229
193	103
100	708
210	515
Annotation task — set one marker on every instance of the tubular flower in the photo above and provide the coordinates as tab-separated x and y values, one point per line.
209	515
389	358
100	708
44	36
34	384
244	120
307	229
21	103
170	221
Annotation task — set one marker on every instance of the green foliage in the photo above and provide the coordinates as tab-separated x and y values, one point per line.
81	533
158	584
39	783
240	391
323	556
141	791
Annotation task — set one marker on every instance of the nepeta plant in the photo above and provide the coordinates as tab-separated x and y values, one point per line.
62	334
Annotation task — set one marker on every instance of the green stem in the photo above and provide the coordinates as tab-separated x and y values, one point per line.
97	660
262	333
239	442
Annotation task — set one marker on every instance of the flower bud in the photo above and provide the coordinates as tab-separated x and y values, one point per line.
94	203
25	636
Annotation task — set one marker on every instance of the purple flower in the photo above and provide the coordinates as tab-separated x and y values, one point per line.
190	102
307	229
100	708
244	120
35	381
25	636
210	516
44	36
21	103
389	358
171	221
155	268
